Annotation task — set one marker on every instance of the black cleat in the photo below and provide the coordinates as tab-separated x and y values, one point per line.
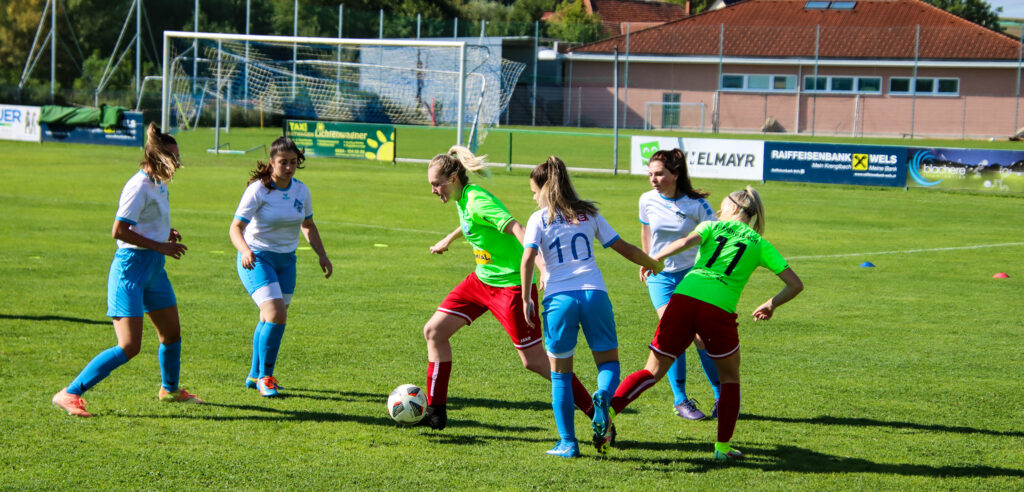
436	418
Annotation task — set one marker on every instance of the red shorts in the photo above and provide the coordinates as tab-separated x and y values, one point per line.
472	298
686	316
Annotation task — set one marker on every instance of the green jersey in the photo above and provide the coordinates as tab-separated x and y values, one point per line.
729	253
498	255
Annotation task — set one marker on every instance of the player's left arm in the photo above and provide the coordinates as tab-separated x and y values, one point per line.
678	245
793	287
516	229
312	235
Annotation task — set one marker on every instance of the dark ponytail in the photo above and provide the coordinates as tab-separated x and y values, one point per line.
675	163
264	170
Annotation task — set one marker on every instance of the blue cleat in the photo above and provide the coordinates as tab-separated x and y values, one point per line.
267	386
602	424
566	449
251	383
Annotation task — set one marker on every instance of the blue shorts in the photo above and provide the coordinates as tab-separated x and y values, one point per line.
563	314
270	268
663	285
138	283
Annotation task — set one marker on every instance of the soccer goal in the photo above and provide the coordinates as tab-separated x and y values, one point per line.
414	82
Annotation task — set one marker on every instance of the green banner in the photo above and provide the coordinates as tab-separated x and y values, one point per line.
344	140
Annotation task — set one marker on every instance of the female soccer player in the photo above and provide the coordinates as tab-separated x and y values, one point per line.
669	212
496	238
138	282
265	231
562	231
705	303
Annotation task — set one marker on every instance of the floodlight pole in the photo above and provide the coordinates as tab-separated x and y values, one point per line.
625	82
195	50
462	93
165	88
913	81
245	68
295	47
138	46
1016	107
615	112
53	50
536	35
380	25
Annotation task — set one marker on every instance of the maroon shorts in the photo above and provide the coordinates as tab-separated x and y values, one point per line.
472	298
686	316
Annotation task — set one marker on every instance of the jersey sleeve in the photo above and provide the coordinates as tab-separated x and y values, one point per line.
643	212
534	231
307	205
771	259
706	213
705	230
604	232
249	204
485	208
131	203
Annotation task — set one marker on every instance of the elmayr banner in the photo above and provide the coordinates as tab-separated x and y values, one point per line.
128	132
966	169
705	157
345	140
19	123
867	165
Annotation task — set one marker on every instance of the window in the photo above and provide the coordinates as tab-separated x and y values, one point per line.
670	110
843	5
869	84
816	5
843	84
815	83
758	82
926	86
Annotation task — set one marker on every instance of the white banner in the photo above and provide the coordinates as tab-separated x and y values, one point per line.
19	123
644	147
724	159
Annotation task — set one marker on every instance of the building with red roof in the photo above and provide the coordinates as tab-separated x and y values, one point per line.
865	67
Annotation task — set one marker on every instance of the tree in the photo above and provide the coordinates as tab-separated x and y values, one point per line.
572	23
976	11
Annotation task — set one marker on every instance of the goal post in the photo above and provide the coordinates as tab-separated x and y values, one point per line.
394	81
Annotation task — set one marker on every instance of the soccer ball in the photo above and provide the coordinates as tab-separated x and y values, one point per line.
407	404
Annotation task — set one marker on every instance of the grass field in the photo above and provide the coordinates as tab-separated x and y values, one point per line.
904	376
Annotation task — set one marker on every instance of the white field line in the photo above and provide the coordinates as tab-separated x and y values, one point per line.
210	213
905	251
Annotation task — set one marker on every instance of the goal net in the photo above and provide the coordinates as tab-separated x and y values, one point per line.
438	83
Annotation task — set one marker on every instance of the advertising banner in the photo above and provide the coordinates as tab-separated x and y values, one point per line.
345	140
868	165
966	169
19	123
128	133
705	157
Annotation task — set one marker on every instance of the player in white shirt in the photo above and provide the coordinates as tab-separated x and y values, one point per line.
137	282
669	212
274	209
563	232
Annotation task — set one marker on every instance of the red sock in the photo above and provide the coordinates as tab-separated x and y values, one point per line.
581	397
728	410
437	382
632	387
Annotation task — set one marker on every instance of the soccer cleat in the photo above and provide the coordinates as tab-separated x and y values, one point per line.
267	386
725	452
688	410
714	410
178	396
73	404
565	449
251	383
436	418
602	421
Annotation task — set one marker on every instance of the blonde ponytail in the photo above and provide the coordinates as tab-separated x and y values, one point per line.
459	160
751	206
552	178
158	161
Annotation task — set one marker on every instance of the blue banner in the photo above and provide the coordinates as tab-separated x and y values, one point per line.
129	132
966	169
866	165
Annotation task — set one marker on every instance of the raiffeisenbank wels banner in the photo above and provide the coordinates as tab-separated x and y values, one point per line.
869	165
999	171
19	123
705	157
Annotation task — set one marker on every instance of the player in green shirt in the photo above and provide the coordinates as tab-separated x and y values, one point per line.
496	238
705	302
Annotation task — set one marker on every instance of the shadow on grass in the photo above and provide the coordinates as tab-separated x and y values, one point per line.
458	402
863	422
791	459
68	319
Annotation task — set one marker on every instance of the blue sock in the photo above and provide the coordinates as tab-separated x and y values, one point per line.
97	369
608	377
561	403
270	344
254	371
711	371
170	364
677	379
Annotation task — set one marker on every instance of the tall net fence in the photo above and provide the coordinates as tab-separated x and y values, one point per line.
415	84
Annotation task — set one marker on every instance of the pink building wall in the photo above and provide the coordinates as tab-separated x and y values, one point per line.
984	107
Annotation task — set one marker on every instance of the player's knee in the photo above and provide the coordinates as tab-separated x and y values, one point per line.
131	349
431	332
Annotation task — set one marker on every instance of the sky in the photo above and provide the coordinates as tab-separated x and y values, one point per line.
1011	8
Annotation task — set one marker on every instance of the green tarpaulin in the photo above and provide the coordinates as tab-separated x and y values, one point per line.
105	116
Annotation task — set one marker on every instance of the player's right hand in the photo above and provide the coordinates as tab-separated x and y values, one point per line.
248	260
528	312
439	248
174	250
